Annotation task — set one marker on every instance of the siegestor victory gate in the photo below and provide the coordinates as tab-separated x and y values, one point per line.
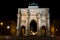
33	21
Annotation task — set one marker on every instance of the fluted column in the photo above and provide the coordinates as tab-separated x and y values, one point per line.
28	22
38	24
18	23
47	23
27	28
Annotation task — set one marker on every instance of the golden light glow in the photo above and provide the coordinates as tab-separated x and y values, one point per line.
56	29
52	29
33	33
23	31
13	30
36	32
1	23
8	27
43	30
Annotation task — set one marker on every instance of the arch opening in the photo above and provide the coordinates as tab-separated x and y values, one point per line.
33	27
22	30
43	31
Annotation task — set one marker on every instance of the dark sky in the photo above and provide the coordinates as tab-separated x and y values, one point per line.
8	9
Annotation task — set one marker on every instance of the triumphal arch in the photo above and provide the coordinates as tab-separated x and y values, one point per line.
33	21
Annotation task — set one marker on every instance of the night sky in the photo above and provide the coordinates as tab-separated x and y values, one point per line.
8	9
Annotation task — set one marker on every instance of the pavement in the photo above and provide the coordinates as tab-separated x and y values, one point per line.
28	38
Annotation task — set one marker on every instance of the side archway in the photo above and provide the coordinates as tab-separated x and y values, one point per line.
22	30
43	31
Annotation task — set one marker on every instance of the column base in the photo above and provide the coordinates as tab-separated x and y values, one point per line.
26	33
38	33
17	33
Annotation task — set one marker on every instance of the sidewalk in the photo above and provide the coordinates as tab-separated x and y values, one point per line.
58	37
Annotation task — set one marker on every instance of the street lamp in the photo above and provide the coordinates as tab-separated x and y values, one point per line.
1	23
8	27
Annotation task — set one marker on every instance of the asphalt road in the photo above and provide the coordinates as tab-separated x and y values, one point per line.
28	38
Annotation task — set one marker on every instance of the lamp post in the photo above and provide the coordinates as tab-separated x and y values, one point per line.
1	24
8	30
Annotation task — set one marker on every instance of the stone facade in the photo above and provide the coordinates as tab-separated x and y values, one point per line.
40	16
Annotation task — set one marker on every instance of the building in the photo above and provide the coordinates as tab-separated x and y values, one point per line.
55	27
33	21
7	27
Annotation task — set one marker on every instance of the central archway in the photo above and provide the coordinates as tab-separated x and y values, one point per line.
33	27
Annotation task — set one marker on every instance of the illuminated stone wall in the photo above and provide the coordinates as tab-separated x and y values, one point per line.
40	15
